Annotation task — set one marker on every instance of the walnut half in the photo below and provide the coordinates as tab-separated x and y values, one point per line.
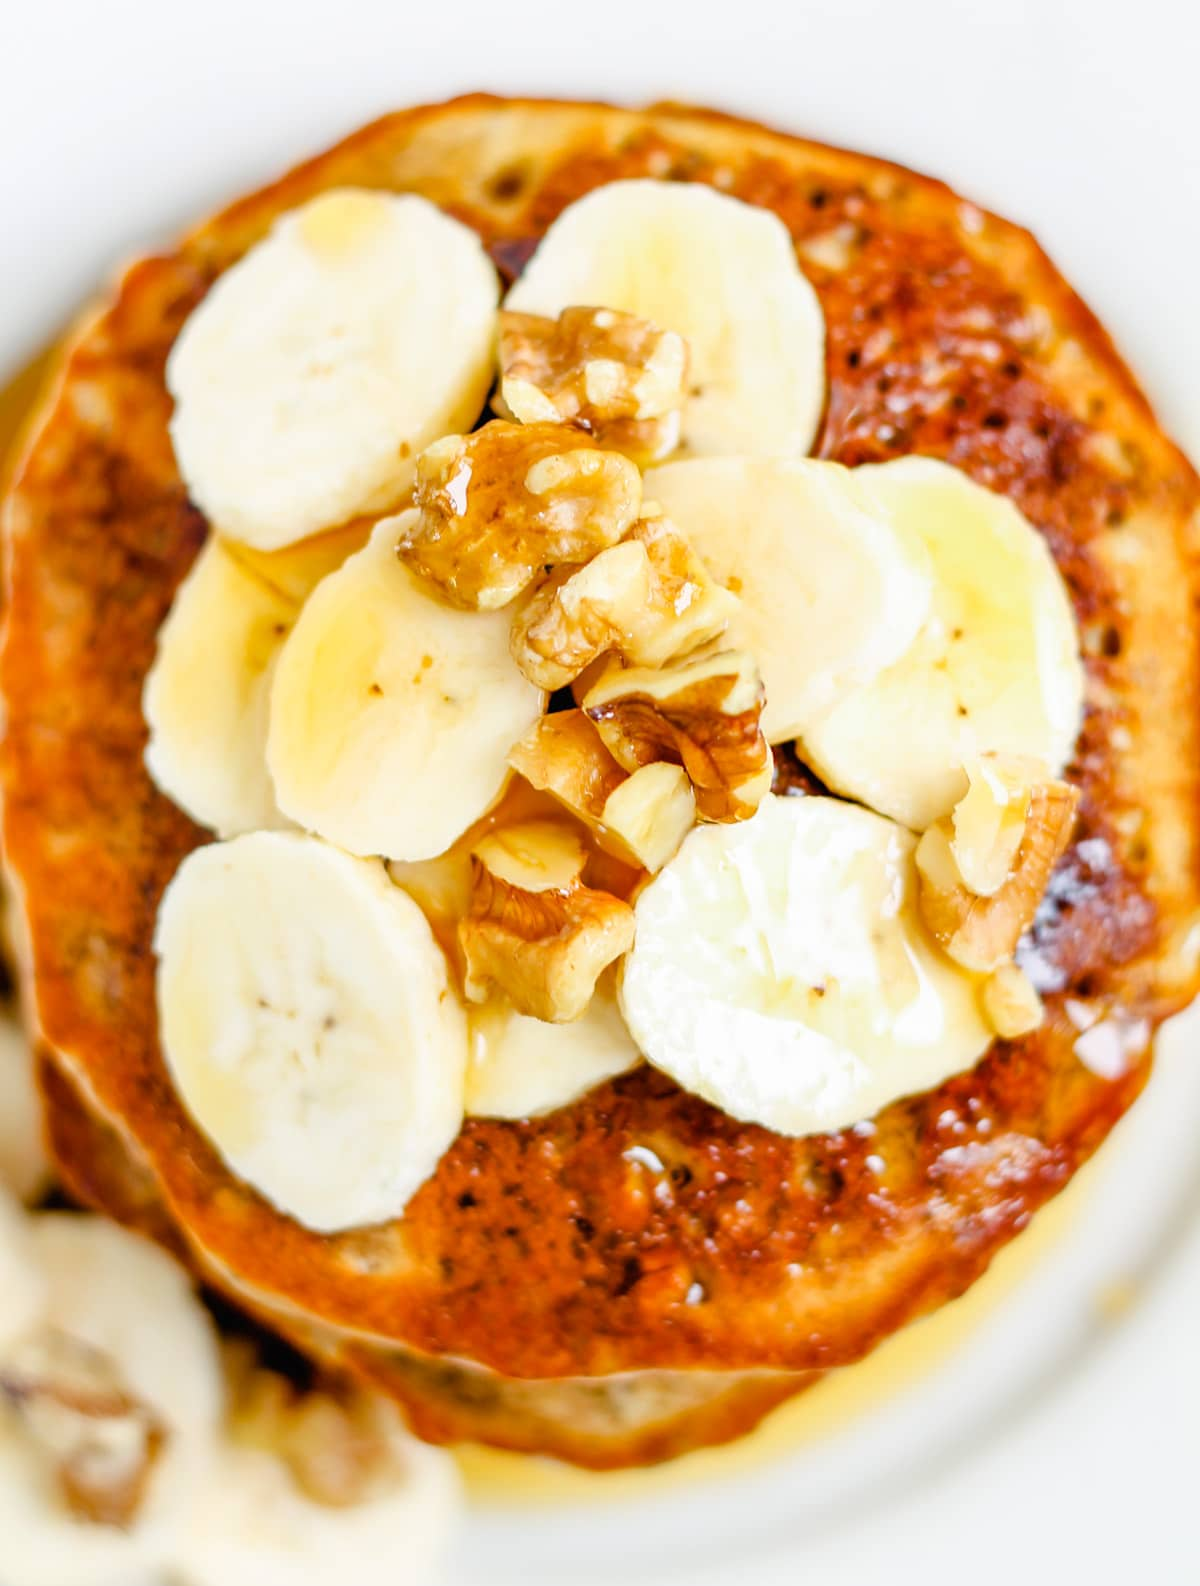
100	1441
498	507
533	930
649	600
640	818
703	715
979	931
619	377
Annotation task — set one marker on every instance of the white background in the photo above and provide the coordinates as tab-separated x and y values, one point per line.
120	121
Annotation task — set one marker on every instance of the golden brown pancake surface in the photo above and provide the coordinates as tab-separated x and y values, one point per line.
545	1249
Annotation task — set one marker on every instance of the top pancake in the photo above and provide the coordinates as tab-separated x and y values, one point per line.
543	1248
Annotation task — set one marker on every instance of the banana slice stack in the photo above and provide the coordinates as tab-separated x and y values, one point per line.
434	897
129	1452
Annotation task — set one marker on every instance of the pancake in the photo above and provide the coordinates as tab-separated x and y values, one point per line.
543	1249
604	1423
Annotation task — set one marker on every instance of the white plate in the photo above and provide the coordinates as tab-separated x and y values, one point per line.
1048	1432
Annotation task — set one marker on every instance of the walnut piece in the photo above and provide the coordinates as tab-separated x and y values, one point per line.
989	820
339	1442
500	506
1010	1004
703	715
100	1440
534	931
649	599
619	377
981	932
640	818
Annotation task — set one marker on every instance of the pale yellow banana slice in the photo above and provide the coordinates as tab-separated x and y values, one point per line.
257	1522
392	713
108	1296
994	669
218	1507
830	590
721	273
309	1024
315	370
207	694
520	1067
781	970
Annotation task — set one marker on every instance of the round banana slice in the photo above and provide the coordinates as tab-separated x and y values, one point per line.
781	971
392	714
316	369
253	1525
121	1295
994	669
830	590
309	1024
207	695
719	272
520	1067
105	1291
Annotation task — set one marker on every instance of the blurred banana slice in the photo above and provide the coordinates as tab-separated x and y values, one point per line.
308	1021
722	274
92	1317
336	1488
782	972
317	367
112	1305
207	695
830	590
994	669
392	713
520	1067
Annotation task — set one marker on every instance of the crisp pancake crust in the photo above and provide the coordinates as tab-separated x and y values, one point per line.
542	1249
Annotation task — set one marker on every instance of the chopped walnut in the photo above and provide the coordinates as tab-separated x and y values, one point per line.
339	1442
562	754
703	715
981	931
534	931
99	1439
1010	1004
649	599
500	506
640	818
619	377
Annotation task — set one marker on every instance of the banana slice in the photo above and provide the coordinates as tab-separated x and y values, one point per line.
207	694
104	1291
24	1167
348	1483
830	590
308	1022
724	276
521	1067
392	714
253	1525
315	370
781	970
994	669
